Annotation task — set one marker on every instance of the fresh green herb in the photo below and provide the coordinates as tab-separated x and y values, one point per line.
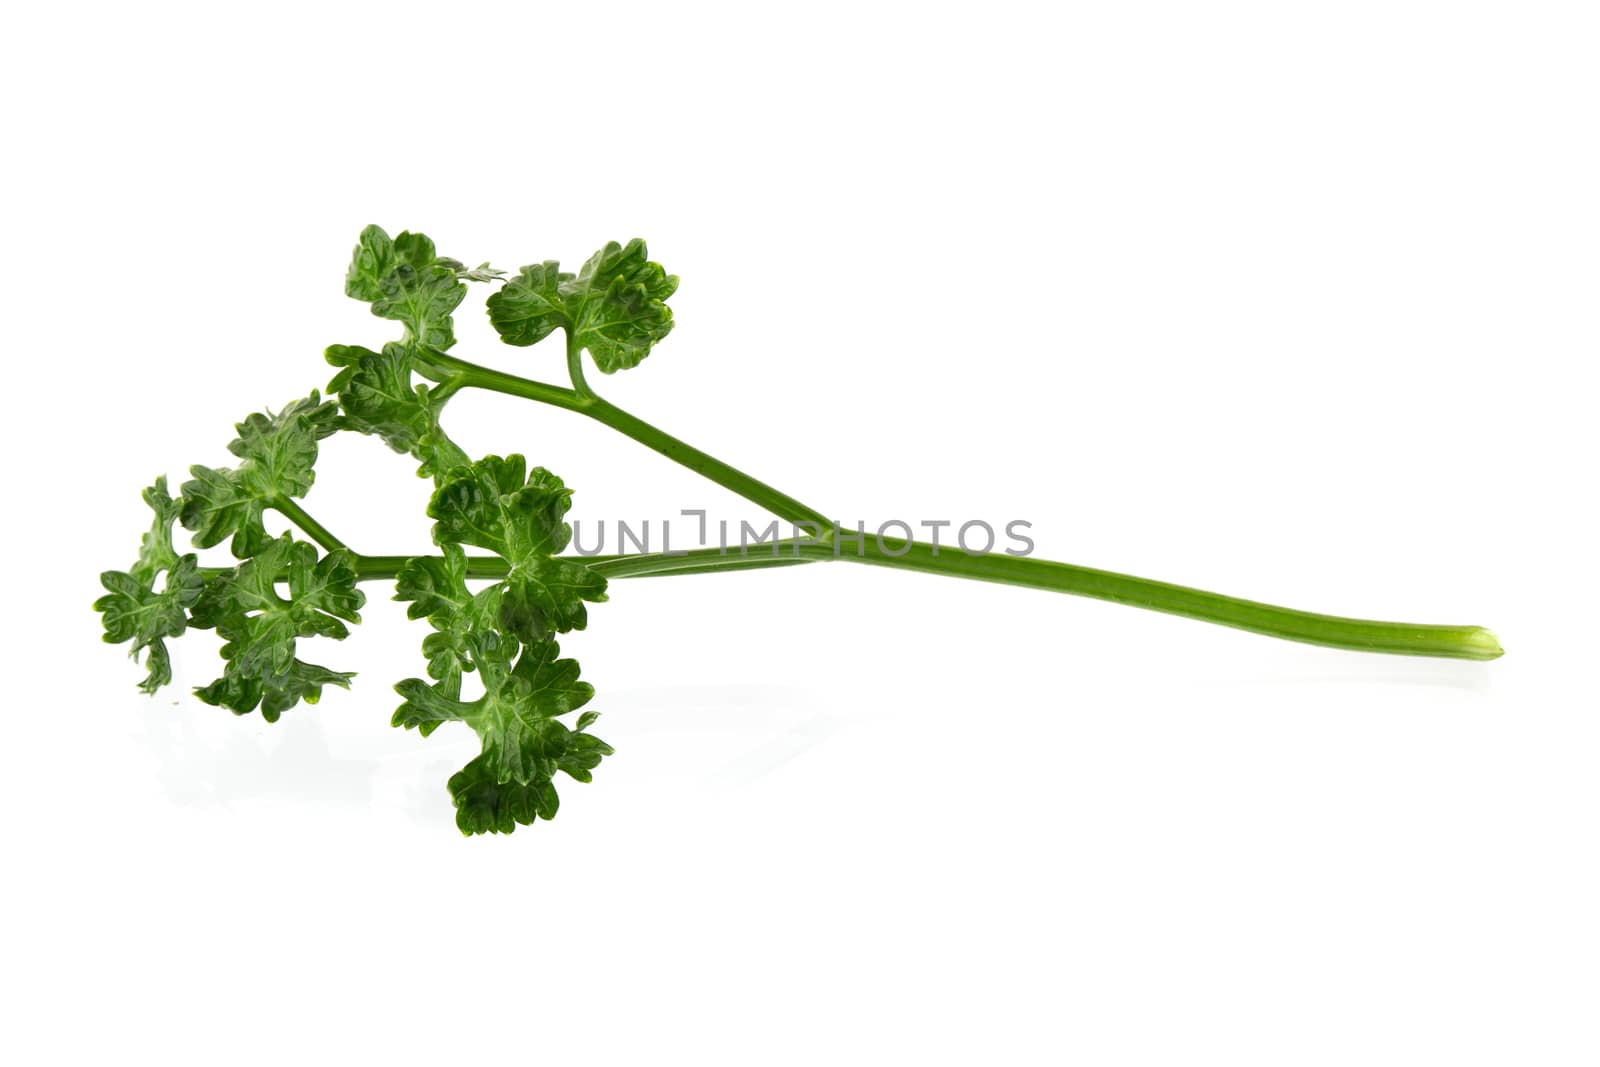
285	589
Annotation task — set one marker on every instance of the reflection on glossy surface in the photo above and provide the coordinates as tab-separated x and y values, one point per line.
706	735
203	763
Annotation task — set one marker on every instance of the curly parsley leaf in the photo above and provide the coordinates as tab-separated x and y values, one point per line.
481	273
261	627
133	610
242	693
156	553
217	507
283	591
404	279
503	634
436	588
615	306
524	743
622	311
530	307
280	450
377	395
516	702
497	504
485	805
465	625
277	453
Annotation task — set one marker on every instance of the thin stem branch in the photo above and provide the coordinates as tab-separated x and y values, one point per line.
708	466
380	568
626	565
575	366
786	507
471	375
311	527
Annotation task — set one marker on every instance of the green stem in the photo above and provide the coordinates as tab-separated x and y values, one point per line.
575	366
380	568
1402	639
461	374
628	565
624	565
715	566
1366	635
312	528
786	507
757	492
1362	635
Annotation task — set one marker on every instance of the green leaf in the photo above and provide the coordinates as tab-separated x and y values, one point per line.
135	612
481	273
132	609
404	279
156	553
322	591
524	743
436	587
217	506
277	453
471	504
498	504
516	717
519	515
378	397
517	722
622	310
426	706
326	585
261	627
516	699
242	693
545	595
280	450
615	306
467	624
530	307
304	683
376	393
372	262
582	755
485	805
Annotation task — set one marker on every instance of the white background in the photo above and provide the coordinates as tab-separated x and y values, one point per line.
1296	302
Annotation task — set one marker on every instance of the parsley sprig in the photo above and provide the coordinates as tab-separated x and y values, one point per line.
496	615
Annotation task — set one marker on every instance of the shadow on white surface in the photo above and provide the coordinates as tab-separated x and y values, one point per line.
1318	667
732	733
217	764
721	735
